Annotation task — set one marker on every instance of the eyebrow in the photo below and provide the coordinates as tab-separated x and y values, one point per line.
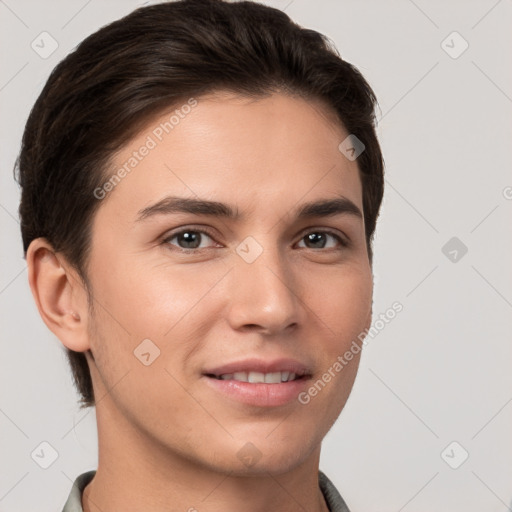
173	204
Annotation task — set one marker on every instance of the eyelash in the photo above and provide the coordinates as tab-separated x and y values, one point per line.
343	243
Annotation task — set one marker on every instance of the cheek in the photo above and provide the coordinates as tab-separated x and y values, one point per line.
343	302
153	300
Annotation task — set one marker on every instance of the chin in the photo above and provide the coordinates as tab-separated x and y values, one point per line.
264	453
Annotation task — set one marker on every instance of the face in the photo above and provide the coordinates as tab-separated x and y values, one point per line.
196	304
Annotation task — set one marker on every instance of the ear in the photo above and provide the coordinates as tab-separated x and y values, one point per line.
59	294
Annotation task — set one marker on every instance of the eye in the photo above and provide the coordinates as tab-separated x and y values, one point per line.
189	239
317	240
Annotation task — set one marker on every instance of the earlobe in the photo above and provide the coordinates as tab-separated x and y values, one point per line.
59	295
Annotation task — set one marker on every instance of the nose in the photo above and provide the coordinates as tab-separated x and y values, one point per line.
265	295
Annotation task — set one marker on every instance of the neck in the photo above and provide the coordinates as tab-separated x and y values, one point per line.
148	476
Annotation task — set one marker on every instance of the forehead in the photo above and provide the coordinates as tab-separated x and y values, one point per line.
275	150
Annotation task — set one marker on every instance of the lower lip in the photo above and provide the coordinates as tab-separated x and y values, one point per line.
259	394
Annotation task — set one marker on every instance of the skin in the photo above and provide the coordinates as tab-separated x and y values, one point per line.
165	436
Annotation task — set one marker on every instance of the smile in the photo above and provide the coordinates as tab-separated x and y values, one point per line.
258	377
259	383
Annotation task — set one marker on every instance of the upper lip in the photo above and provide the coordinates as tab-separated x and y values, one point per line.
260	365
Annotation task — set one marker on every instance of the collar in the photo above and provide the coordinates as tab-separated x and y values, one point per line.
332	497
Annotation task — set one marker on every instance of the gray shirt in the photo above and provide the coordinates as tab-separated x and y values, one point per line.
332	496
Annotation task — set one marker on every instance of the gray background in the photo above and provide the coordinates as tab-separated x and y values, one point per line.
441	370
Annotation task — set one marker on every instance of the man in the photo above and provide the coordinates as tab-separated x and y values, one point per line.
200	183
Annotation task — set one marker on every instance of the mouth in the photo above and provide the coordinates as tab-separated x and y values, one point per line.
254	377
259	383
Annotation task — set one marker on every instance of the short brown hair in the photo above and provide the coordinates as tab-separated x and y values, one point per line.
129	71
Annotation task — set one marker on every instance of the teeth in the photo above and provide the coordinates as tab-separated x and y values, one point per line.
254	377
258	377
273	378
